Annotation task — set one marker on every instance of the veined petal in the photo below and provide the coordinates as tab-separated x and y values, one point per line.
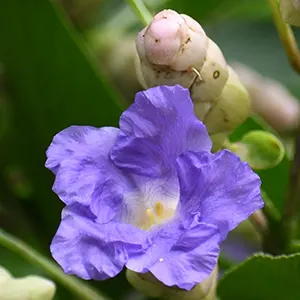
178	255
192	259
91	250
79	157
156	129
84	141
220	187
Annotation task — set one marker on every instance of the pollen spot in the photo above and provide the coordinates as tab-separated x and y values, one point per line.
161	260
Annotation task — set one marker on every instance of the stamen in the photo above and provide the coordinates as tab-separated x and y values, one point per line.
150	216
156	215
159	209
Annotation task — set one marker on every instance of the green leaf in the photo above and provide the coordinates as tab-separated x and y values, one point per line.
219	10
263	277
52	82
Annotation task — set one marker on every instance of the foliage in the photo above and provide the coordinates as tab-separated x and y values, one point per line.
51	78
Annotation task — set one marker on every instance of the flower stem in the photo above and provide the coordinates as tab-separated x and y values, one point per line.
224	262
282	233
287	36
141	11
74	285
291	212
269	210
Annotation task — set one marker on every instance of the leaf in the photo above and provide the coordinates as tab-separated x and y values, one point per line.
263	277
52	82
219	10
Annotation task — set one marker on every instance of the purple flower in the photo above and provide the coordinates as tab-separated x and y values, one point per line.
149	196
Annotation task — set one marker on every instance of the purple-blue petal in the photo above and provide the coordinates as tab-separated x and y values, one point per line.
192	259
220	187
156	129
178	255
79	157
91	250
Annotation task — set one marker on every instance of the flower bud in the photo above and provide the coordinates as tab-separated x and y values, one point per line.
270	100
4	276
29	287
261	149
170	48
148	285
213	76
290	11
231	108
174	49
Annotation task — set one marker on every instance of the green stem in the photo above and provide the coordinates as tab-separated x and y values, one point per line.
225	263
287	36
141	11
74	285
291	215
279	238
282	233
269	210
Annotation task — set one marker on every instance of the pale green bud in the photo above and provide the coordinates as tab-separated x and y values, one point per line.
231	109
148	285
4	276
261	149
25	288
213	76
290	11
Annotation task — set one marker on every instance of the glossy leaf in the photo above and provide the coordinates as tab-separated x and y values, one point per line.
263	277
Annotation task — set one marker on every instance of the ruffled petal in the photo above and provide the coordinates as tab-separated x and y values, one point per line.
220	187
91	250
79	156
178	255
156	129
192	259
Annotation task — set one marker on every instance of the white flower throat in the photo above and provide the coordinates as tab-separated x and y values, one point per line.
153	204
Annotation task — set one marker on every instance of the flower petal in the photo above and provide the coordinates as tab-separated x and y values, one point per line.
91	250
79	156
222	188
156	129
180	256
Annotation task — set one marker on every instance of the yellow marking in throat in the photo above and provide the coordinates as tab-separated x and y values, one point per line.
156	215
159	209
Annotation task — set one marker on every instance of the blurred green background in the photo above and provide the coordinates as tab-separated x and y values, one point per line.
57	68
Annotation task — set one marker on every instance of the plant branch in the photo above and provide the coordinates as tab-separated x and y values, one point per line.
73	284
141	11
291	212
287	36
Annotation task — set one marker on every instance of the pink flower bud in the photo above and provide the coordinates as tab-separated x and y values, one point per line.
173	40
